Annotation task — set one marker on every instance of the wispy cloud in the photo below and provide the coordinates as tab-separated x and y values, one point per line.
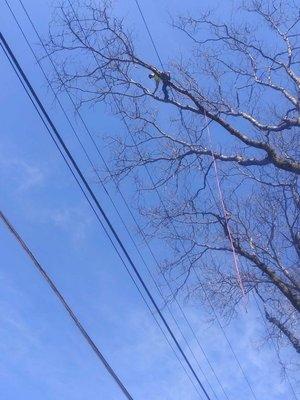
74	220
22	174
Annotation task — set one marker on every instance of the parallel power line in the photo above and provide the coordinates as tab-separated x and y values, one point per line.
100	222
165	208
155	259
220	192
115	207
176	231
142	233
125	201
9	53
149	33
65	304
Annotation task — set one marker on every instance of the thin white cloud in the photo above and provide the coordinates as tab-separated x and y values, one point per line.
23	174
73	220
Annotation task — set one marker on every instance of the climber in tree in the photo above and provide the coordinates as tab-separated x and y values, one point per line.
163	77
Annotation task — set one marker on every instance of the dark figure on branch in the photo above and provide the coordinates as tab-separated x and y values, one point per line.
163	77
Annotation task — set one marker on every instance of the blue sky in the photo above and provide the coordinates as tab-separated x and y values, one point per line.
41	353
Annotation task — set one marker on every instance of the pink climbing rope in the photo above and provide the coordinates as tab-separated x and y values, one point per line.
222	201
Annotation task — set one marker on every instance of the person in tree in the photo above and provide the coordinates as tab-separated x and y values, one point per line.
163	77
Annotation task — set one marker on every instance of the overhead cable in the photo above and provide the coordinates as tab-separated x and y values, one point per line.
182	244
66	306
107	192
101	210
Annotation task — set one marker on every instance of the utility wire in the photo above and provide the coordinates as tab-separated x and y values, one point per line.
168	284
85	195
146	242
198	278
66	306
99	220
99	207
108	194
143	235
183	246
76	109
149	33
214	311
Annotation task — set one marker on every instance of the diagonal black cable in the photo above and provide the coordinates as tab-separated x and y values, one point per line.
149	33
66	306
176	232
134	219
106	191
101	223
161	200
175	229
99	207
115	207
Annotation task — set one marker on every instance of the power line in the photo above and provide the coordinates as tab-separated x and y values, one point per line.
66	306
85	195
103	186
145	242
155	259
215	313
99	207
98	218
183	246
149	33
182	311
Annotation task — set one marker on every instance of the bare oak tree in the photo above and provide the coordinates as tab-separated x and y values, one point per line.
233	110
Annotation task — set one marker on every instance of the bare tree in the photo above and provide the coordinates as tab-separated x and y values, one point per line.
238	80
